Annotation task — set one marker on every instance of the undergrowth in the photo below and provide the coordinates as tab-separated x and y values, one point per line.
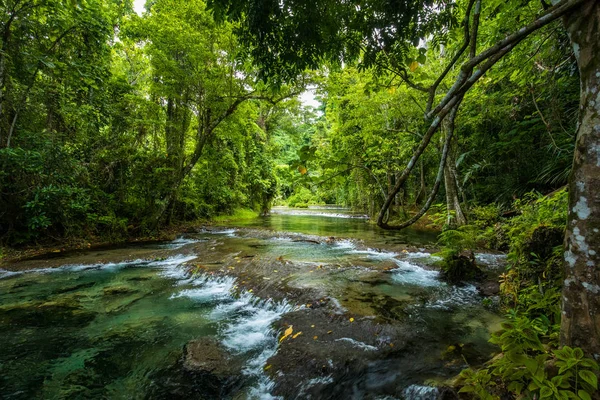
531	364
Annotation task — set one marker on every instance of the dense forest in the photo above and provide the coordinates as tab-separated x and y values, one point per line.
477	119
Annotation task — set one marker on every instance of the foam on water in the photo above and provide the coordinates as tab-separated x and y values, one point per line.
7	274
490	260
168	264
226	232
345	244
411	274
246	324
420	254
357	344
211	290
310	213
420	392
178	243
252	330
453	296
375	254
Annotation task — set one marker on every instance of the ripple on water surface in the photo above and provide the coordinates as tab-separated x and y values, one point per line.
118	329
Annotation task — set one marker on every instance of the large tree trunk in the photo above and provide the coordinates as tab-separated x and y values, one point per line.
580	325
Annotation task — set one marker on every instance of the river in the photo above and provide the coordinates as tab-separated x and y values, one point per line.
303	304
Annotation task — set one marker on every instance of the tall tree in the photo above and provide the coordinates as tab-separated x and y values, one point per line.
287	37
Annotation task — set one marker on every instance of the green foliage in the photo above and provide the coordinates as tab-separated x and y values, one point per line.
525	368
301	198
530	364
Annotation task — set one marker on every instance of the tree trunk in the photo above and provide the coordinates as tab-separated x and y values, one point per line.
420	197
580	324
455	217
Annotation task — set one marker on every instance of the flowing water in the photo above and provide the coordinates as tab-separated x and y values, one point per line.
375	320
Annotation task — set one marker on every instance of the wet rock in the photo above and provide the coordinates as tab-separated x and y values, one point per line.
74	288
332	351
489	288
66	312
447	393
117	290
212	367
207	356
460	266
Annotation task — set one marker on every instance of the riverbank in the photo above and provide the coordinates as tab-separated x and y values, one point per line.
51	246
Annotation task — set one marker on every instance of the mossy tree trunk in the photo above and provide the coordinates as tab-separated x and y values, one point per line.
580	324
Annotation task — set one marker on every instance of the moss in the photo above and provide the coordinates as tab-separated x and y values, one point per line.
459	266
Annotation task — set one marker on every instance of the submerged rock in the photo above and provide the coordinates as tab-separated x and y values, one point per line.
207	356
117	290
66	312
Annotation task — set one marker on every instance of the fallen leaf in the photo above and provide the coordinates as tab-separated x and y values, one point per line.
296	335
329	332
267	367
315	337
287	333
351	319
312	326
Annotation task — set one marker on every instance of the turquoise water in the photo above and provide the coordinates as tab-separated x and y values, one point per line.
118	329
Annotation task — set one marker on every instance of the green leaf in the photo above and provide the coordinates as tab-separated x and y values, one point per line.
583	395
586	362
590	378
466	389
545	392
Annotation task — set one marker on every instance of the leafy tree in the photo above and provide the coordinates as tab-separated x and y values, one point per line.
291	36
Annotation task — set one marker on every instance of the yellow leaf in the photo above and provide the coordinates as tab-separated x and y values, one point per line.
302	169
329	332
267	367
287	333
315	337
312	326
351	319
296	335
413	66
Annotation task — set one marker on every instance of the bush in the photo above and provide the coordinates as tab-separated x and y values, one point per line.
301	198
